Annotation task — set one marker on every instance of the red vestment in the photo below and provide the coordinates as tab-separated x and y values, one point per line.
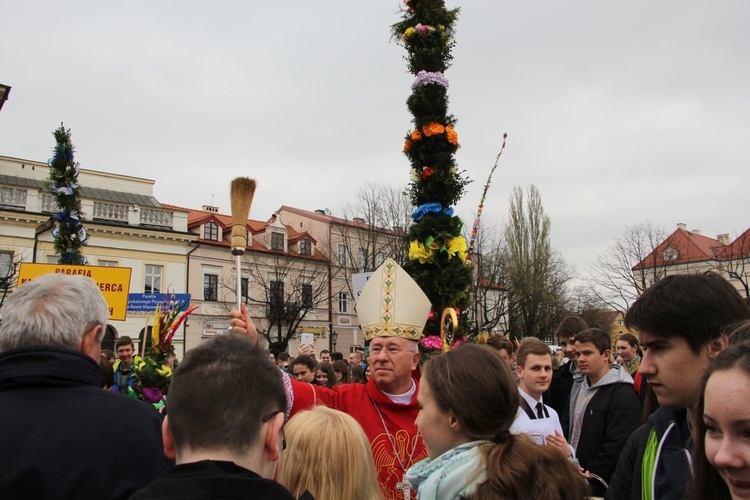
359	400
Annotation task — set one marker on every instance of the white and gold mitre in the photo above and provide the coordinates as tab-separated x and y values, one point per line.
392	304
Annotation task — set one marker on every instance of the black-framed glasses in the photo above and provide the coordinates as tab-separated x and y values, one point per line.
283	436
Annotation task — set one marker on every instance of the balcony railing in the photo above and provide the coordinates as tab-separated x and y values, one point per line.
13	197
155	217
111	211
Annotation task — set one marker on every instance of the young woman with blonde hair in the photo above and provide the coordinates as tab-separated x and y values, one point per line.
468	401
328	455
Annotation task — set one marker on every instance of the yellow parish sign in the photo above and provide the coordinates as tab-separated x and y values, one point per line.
114	282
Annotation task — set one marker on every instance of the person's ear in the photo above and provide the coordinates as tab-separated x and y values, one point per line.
453	422
91	343
519	370
271	437
414	360
717	345
166	436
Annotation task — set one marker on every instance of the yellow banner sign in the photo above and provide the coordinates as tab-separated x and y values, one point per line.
114	282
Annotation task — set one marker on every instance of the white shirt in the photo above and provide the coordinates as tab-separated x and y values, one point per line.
536	429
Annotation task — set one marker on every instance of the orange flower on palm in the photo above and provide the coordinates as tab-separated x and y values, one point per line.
433	129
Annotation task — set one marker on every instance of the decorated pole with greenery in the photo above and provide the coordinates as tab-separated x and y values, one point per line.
437	251
69	232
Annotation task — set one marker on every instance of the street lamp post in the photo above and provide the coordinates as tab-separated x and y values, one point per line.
4	91
334	338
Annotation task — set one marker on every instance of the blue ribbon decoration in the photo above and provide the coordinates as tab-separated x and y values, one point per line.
431	208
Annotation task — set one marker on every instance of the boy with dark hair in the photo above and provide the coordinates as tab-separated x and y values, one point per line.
539	421
603	409
226	436
505	347
123	367
558	394
681	321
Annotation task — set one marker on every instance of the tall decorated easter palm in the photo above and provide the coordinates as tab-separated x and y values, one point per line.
69	233
437	251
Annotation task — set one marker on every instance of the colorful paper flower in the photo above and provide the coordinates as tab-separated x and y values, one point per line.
418	251
416	136
407	145
432	342
433	129
426	172
164	371
451	135
457	247
429	77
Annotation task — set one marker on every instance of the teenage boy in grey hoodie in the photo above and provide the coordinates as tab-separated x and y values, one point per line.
603	409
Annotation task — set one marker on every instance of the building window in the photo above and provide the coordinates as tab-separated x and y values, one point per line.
362	260
6	269
153	279
13	196
379	259
277	242
211	231
305	247
307	296
343	302
211	287
342	251
245	287
276	298
107	263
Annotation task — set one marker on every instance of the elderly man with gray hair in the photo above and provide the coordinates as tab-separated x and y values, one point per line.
62	435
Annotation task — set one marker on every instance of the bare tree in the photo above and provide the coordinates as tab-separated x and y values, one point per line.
535	274
375	226
284	290
734	260
489	310
10	264
589	307
614	278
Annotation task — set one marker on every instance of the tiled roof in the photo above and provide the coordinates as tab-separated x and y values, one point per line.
197	218
609	317
739	248
330	219
690	247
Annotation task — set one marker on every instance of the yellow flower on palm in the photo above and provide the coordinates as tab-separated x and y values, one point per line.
457	246
418	251
164	371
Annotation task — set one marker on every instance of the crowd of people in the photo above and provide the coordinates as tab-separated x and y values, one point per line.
661	415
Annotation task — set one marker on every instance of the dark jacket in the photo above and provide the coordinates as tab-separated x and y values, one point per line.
63	436
611	415
213	479
558	394
673	469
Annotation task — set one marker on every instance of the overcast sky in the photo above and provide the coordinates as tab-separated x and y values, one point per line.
618	112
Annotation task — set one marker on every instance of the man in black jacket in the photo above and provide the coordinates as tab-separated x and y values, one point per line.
62	435
603	409
558	394
681	321
227	406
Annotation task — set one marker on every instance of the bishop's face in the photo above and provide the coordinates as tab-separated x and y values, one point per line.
392	362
